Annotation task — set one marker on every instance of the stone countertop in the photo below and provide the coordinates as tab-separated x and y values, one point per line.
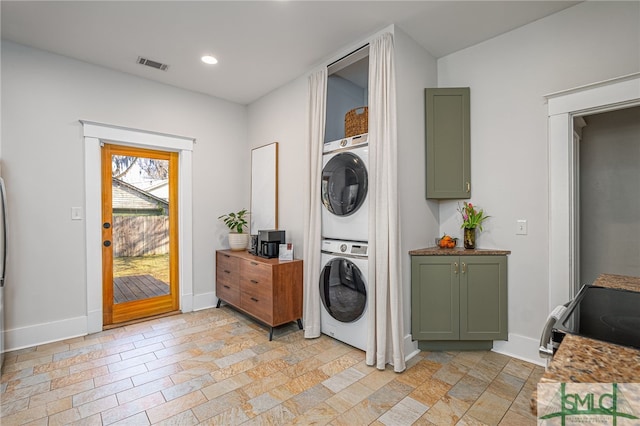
622	282
457	251
583	360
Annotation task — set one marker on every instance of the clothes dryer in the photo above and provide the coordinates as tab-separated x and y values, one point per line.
344	187
343	291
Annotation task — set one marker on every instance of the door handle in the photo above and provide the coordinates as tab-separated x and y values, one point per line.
464	267
455	267
107	243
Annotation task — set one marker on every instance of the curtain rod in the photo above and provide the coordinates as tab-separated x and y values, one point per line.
347	55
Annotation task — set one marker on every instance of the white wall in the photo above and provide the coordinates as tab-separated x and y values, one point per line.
43	97
415	70
508	77
281	116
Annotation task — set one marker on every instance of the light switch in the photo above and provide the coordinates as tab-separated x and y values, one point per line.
76	213
521	227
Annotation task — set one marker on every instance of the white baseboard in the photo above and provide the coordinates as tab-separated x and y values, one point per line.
186	302
94	321
203	301
521	347
40	334
410	347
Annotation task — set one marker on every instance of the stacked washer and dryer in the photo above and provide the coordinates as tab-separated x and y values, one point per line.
345	234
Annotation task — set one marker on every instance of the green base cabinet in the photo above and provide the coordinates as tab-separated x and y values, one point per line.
458	302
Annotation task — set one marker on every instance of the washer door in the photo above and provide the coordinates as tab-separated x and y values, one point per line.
344	184
342	290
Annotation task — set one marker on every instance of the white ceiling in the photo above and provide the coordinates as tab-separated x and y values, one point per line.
260	45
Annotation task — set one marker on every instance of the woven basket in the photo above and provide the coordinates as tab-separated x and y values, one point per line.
356	122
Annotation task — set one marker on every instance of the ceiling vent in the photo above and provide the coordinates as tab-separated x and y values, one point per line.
152	64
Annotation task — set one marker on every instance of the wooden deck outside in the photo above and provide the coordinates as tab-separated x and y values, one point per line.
136	287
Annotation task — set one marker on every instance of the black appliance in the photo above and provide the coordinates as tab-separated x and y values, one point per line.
601	313
269	242
253	247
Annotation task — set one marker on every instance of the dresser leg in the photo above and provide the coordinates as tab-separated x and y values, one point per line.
270	333
218	305
300	323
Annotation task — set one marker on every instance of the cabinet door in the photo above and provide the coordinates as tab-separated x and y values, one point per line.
483	298
448	143
434	298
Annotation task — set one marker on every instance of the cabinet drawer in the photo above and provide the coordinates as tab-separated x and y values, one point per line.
228	293
258	306
256	276
227	264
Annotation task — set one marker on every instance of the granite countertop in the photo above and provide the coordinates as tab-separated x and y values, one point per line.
583	360
457	251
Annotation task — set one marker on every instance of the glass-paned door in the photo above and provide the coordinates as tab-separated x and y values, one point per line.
139	233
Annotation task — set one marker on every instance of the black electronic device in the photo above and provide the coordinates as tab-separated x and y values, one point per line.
253	247
269	242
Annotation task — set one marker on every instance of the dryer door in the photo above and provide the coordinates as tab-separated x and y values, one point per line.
342	290
344	184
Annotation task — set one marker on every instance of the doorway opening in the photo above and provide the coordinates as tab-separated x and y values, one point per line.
609	194
564	226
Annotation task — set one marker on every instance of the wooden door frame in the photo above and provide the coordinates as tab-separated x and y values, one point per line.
94	134
142	308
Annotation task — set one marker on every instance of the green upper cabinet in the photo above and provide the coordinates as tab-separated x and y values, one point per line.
448	148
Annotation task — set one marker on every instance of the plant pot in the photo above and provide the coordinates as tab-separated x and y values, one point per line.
238	242
469	238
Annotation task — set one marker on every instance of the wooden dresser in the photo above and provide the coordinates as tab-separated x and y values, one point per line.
269	290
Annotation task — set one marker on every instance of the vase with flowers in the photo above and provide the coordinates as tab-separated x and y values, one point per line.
472	218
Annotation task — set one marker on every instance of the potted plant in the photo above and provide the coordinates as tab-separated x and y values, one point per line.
472	218
237	223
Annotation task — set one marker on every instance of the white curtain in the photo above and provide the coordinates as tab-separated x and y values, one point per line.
386	330
312	204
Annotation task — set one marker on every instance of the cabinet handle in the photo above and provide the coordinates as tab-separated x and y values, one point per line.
254	281
227	272
254	299
464	267
468	186
226	255
226	286
254	263
455	267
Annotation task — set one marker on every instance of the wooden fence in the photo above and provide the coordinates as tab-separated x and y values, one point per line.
140	235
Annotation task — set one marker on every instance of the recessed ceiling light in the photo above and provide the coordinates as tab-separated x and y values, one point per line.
208	59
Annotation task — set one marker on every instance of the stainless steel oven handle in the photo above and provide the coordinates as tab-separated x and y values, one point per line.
546	348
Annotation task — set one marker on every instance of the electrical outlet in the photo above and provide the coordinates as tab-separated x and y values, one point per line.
521	227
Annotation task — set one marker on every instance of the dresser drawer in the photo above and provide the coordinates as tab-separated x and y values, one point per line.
259	306
228	293
255	276
227	264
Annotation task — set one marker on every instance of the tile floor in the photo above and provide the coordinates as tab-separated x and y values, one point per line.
217	367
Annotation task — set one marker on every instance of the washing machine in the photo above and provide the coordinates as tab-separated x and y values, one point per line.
343	291
345	181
